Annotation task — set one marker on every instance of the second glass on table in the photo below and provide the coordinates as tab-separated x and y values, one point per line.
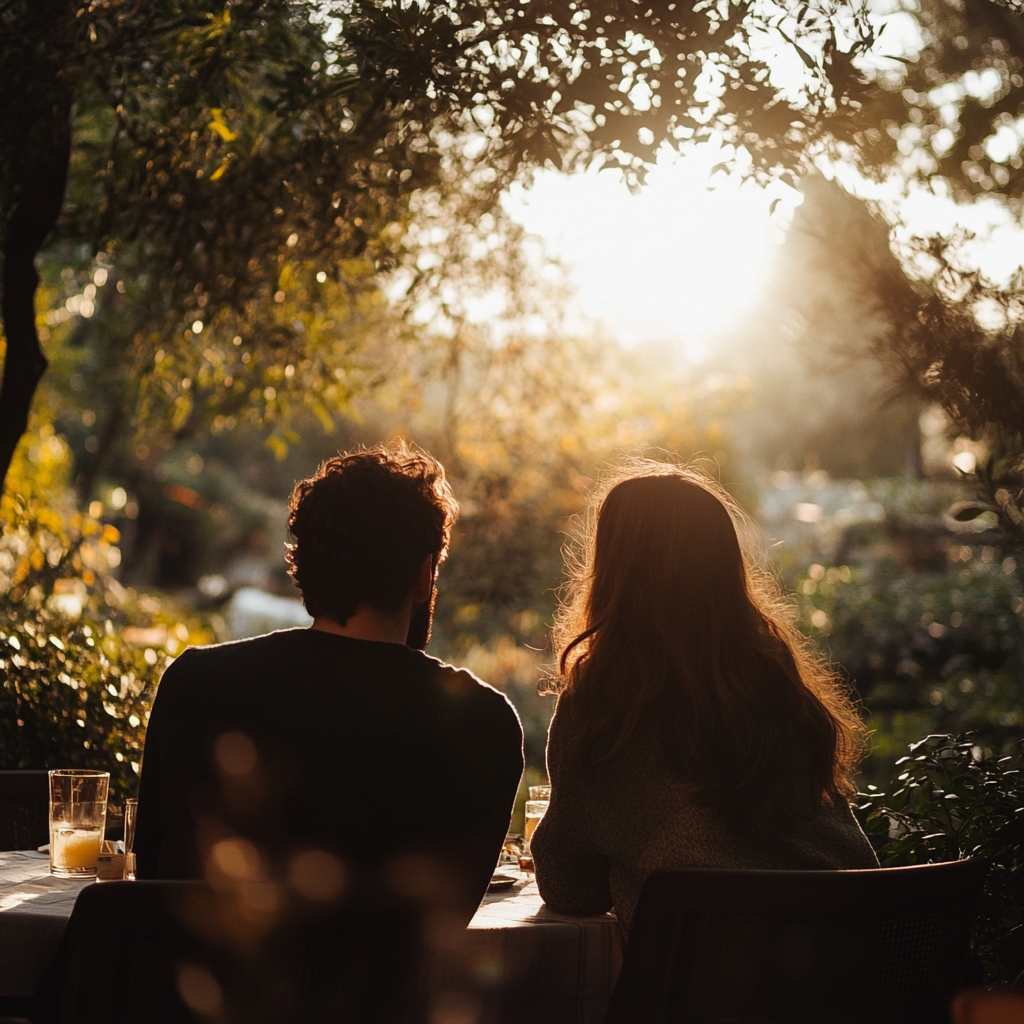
536	807
131	809
78	816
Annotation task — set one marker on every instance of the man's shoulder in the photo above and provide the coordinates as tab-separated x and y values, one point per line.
458	687
463	686
280	638
201	660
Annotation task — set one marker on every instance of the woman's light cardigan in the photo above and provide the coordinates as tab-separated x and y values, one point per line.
608	828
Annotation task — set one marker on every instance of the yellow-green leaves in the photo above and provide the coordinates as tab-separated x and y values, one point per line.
220	127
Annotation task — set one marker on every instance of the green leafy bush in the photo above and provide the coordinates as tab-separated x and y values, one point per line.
77	702
928	652
953	799
80	655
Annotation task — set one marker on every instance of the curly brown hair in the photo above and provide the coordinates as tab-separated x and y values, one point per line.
669	629
363	524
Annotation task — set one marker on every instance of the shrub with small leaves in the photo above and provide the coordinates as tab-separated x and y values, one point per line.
954	799
80	655
928	652
79	699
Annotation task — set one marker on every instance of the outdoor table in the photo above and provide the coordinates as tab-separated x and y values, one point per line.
533	966
34	911
527	964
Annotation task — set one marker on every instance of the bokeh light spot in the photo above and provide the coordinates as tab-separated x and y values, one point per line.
199	989
236	858
317	875
235	753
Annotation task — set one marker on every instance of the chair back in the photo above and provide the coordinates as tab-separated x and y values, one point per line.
24	809
833	947
180	953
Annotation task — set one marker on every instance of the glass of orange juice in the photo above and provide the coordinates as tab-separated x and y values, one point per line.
78	816
535	809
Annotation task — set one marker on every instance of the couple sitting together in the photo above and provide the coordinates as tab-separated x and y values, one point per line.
693	727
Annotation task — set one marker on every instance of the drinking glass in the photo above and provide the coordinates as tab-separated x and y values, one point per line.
536	806
78	815
131	809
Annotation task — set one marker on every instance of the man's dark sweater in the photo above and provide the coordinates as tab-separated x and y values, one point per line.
373	752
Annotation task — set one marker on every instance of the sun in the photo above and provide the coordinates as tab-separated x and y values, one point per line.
675	262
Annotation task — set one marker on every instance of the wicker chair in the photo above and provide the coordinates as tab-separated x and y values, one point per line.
833	947
24	810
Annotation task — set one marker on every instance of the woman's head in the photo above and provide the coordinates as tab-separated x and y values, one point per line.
670	630
666	555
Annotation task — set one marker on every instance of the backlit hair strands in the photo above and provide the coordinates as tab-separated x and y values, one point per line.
667	628
362	525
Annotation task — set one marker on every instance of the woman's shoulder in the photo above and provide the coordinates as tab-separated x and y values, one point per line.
563	717
851	842
832	838
571	740
570	718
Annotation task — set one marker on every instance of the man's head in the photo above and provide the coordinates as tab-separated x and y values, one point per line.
363	525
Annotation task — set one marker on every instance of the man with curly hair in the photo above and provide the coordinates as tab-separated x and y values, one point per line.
317	757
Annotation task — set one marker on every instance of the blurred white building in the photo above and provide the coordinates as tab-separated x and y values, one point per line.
251	612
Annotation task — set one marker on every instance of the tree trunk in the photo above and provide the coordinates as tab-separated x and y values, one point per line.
39	197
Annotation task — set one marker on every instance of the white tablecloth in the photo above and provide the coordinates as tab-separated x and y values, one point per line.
532	966
34	911
517	962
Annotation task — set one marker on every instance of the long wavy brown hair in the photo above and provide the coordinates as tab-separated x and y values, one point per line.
668	629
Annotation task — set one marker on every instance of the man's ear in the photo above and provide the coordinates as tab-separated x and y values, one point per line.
425	581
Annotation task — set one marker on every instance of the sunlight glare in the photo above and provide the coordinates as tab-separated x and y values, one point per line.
674	262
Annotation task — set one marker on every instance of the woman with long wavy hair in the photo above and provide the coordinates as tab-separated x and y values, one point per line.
694	728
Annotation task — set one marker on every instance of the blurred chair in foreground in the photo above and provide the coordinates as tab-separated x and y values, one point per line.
975	1006
181	953
832	947
24	809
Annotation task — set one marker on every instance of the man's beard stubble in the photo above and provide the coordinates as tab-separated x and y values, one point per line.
421	623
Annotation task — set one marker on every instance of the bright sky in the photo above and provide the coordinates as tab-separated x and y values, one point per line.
677	262
673	262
